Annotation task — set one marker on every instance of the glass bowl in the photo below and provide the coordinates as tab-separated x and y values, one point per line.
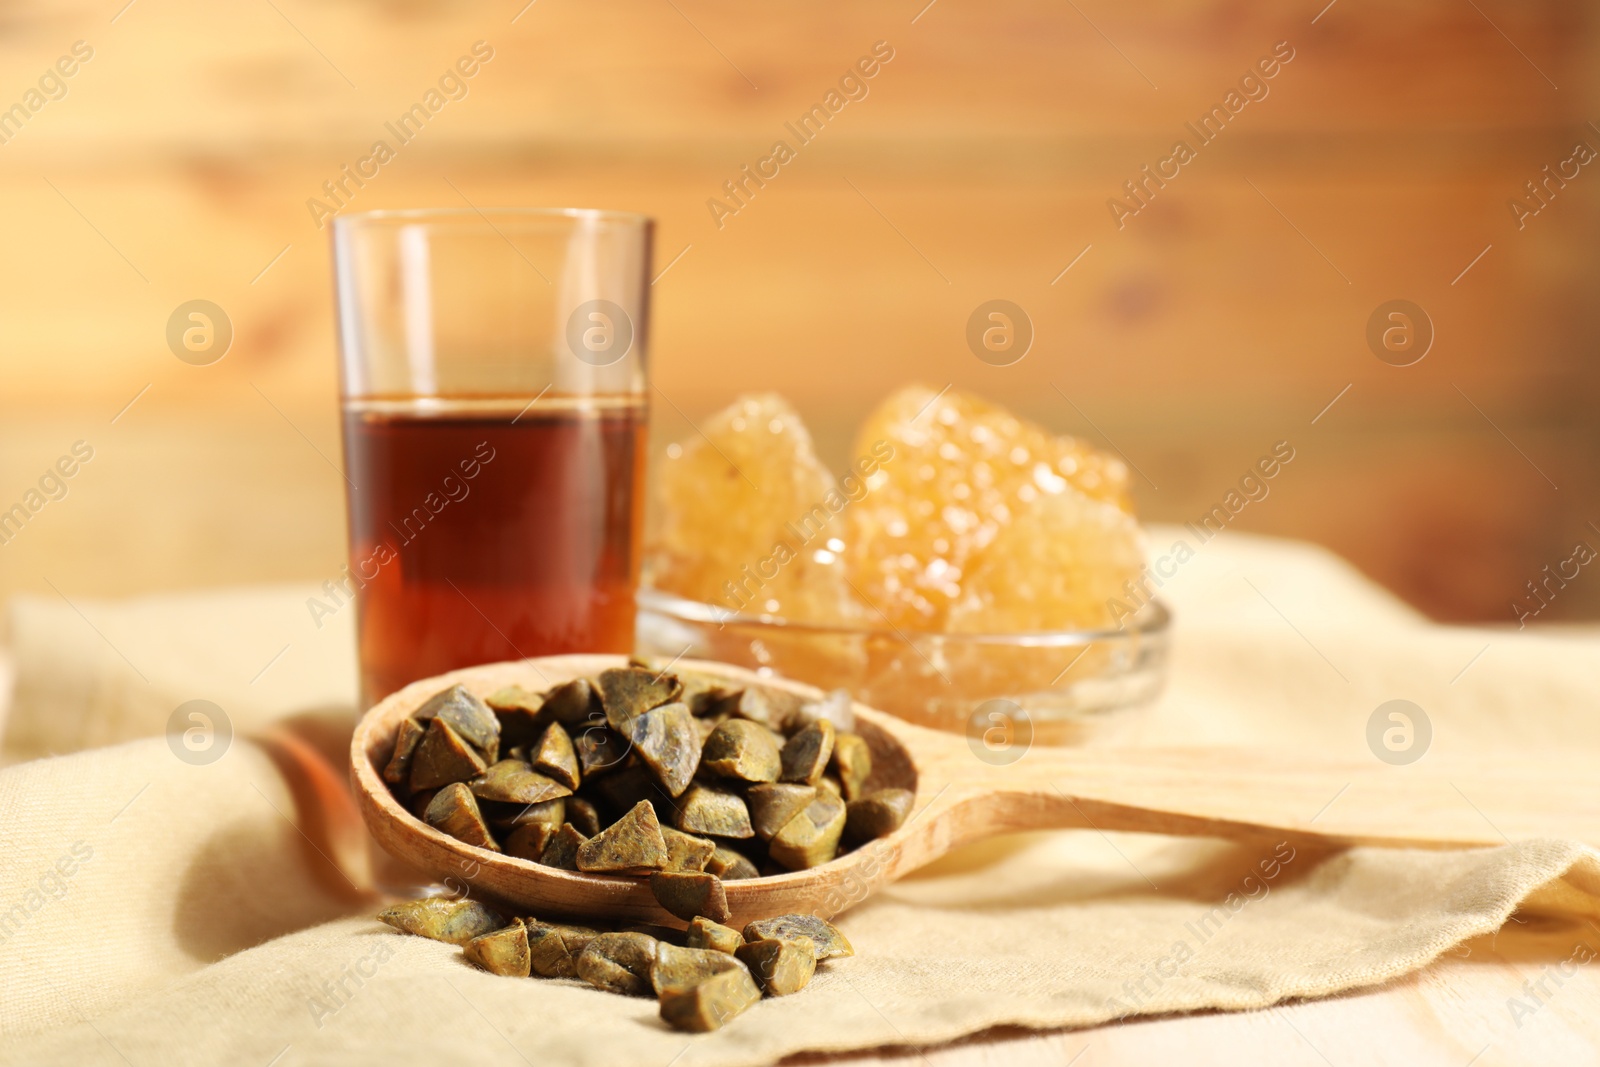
1063	682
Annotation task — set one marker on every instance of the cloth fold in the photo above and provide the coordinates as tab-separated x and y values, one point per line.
158	909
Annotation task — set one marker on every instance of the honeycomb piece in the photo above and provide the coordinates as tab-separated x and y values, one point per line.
750	518
1057	565
962	469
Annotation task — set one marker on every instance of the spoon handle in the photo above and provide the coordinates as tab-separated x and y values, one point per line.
1240	793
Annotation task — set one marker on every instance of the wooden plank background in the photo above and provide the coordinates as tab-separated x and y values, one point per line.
1222	318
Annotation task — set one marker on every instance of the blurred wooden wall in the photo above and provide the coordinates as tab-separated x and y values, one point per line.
1222	318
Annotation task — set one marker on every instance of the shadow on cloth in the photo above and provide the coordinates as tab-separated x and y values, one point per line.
309	751
1053	867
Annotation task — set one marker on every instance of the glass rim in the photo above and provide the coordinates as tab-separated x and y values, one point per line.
1153	619
447	215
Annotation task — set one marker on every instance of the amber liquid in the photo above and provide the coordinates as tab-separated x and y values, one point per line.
489	530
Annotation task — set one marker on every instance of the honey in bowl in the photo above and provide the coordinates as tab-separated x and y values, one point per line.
964	530
746	521
965	555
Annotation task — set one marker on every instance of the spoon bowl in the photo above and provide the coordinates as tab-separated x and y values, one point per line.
966	789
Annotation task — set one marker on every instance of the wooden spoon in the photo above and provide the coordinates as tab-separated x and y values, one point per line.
961	796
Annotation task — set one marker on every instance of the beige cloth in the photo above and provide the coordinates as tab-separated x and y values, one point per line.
94	674
154	911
